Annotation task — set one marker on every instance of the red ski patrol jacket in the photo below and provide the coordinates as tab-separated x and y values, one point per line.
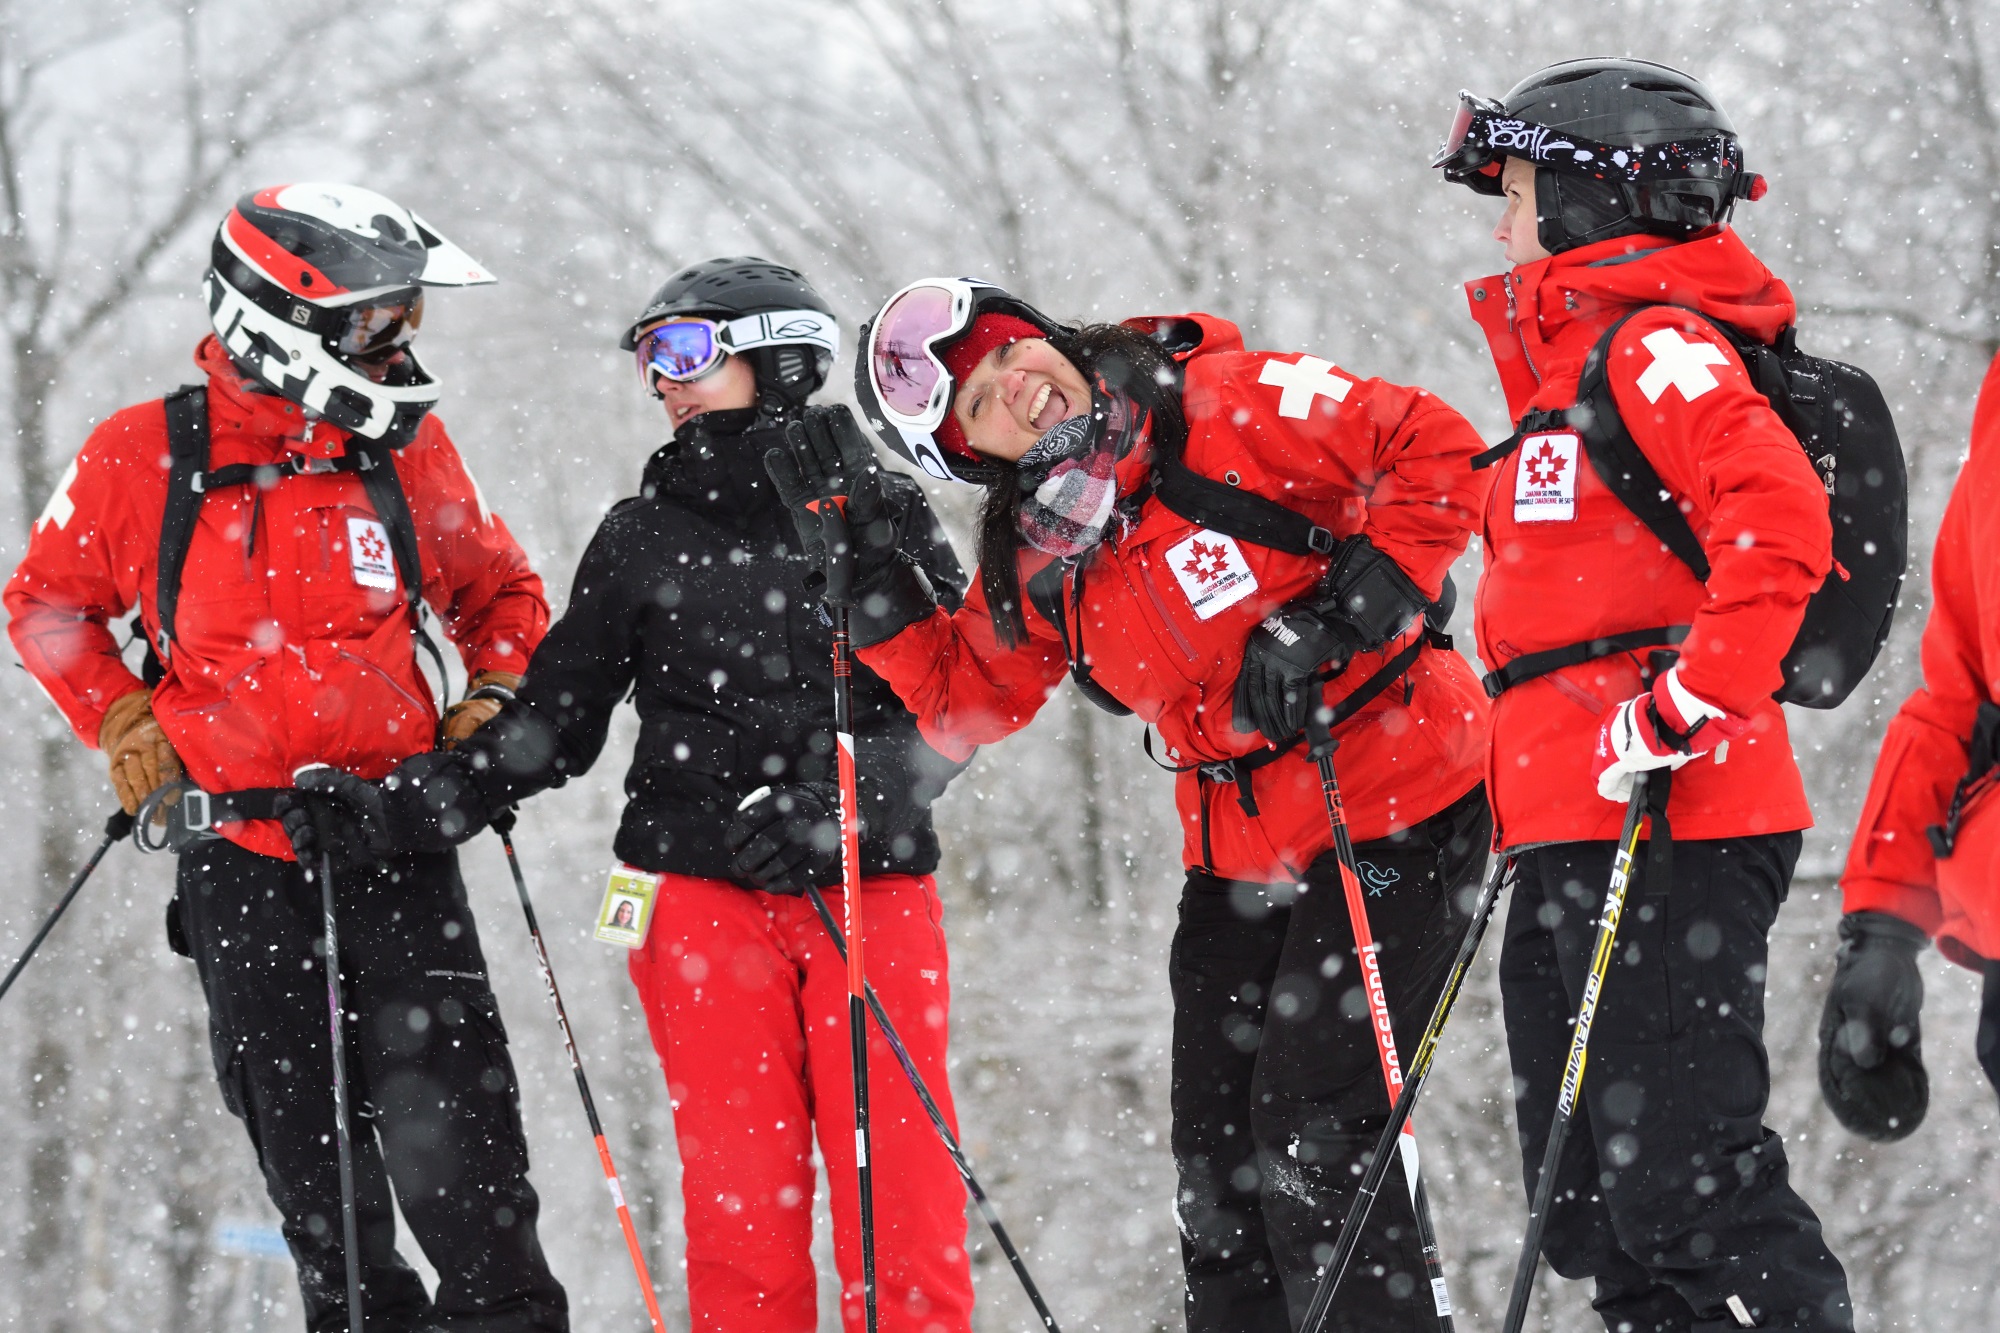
1166	610
1890	866
293	645
1566	561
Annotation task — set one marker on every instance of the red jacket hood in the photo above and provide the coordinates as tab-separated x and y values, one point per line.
239	404
1556	308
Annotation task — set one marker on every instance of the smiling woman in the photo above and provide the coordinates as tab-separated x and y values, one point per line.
1221	541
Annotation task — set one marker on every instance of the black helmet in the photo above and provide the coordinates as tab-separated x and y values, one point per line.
763	311
1619	146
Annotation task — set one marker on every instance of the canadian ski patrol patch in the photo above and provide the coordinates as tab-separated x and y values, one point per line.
368	550
1545	483
1212	572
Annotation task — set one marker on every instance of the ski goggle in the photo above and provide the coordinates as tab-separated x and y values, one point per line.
376	328
685	349
909	379
1482	133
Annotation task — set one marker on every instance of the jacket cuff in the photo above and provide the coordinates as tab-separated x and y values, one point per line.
889	602
1919	907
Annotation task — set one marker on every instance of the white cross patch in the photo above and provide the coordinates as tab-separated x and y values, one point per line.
1303	381
1679	363
60	508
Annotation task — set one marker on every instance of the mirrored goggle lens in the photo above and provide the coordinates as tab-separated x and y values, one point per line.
905	374
1470	111
683	350
380	327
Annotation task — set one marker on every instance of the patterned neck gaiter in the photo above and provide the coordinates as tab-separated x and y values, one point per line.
1068	476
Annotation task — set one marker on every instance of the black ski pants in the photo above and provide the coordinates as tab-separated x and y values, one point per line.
1671	1193
435	1109
1277	1087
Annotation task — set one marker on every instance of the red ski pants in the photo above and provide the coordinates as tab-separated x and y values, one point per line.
746	999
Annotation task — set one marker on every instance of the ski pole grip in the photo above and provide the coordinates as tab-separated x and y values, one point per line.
118	826
752	799
839	545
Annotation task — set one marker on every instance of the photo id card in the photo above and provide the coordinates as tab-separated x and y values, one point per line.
628	906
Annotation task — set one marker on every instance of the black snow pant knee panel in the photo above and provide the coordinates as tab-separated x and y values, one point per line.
1277	1089
1671	1194
435	1104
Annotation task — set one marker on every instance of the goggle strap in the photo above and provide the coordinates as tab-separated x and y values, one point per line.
773	327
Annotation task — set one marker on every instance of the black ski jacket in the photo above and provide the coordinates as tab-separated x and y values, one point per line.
691	600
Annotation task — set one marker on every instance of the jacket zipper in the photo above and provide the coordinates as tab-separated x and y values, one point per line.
1514	323
393	684
1160	606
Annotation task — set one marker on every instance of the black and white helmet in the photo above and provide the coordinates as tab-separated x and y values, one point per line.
313	286
1619	146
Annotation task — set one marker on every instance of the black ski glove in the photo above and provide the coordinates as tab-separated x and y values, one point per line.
428	804
1279	662
1364	601
826	457
1871	1068
785	838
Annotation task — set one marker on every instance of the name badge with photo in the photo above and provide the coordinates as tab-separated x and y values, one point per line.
628	906
1545	483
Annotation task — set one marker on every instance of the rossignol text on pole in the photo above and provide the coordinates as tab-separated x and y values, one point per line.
1414	1078
1321	747
1622	866
839	597
115	828
503	824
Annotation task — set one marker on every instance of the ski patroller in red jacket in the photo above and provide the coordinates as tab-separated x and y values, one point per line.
1167	609
293	645
1890	866
1566	561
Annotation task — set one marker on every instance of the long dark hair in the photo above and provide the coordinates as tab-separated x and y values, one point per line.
1125	361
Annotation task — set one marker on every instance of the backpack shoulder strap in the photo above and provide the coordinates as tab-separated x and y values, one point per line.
1235	512
1619	462
377	466
187	453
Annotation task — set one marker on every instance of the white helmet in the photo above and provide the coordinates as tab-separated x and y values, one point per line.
312	287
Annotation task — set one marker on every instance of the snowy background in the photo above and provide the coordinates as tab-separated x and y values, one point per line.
1103	157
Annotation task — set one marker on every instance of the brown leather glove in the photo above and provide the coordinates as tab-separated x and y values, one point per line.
468	714
142	760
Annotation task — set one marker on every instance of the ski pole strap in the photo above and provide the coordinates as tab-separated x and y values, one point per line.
1530	666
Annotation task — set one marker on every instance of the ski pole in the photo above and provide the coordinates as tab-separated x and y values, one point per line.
503	824
343	1139
1579	1043
1413	1085
839	597
950	1140
115	828
1321	749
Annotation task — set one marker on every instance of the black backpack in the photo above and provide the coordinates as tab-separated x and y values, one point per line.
1841	420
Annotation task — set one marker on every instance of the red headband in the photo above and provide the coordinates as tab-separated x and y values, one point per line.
987	332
